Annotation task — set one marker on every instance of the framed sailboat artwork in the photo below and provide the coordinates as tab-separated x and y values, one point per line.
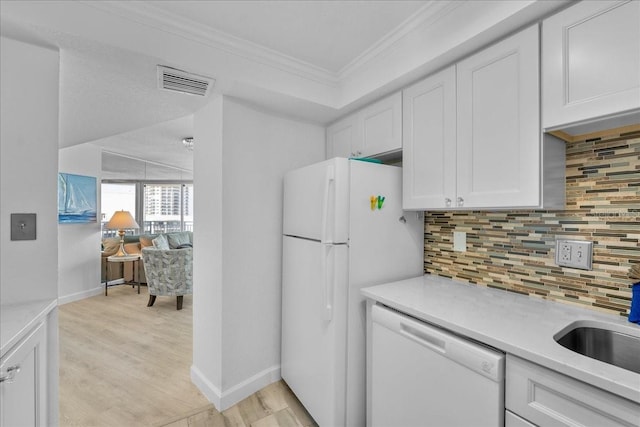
77	199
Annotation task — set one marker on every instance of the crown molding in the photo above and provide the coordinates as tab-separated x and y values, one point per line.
146	14
426	15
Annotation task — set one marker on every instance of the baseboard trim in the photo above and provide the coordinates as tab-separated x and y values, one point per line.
81	295
210	391
249	386
240	391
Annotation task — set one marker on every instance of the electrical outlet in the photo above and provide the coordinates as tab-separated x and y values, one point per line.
565	252
574	253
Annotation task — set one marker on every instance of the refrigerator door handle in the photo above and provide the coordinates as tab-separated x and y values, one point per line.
327	281
329	180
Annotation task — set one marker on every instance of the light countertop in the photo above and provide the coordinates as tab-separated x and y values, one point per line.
16	320
517	324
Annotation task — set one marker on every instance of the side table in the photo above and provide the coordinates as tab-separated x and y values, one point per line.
129	258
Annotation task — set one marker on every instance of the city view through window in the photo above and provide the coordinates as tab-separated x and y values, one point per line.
168	207
157	207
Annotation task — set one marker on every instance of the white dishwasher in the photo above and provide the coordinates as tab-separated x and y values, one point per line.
421	375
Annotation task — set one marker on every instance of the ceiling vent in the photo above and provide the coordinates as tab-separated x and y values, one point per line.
180	81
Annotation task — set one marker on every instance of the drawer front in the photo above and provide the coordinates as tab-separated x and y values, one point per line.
547	398
512	420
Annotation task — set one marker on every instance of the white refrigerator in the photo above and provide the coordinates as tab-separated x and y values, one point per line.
344	229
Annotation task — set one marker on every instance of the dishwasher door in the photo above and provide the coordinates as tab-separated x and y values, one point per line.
422	375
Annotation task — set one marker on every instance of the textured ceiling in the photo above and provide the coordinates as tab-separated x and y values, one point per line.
160	144
106	91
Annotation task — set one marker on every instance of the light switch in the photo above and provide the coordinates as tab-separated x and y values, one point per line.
459	241
23	226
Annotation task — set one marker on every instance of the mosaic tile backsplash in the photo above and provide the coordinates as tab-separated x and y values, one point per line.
515	250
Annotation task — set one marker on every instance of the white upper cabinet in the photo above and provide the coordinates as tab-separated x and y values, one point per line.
382	126
472	134
590	62
429	149
374	130
343	138
499	124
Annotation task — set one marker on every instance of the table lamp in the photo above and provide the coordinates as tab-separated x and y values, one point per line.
121	220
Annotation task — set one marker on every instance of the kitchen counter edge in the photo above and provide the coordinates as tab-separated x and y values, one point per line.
517	324
17	320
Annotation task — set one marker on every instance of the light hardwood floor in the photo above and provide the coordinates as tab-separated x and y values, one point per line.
125	364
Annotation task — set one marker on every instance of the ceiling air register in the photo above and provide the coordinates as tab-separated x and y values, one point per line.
181	81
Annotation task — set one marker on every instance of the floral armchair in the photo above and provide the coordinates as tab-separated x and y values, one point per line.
169	273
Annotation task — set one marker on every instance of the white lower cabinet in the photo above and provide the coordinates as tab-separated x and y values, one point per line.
547	398
512	420
471	134
23	390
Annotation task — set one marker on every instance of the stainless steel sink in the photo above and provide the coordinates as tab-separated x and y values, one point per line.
609	346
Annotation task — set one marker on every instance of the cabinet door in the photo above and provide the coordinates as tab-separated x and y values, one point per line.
429	142
342	136
382	126
591	61
547	398
23	396
498	142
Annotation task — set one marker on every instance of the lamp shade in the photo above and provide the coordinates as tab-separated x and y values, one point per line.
121	220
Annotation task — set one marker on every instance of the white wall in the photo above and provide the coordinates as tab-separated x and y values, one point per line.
207	254
28	169
241	157
79	244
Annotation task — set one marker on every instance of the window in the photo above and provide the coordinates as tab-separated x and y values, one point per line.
157	207
167	207
187	210
116	197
